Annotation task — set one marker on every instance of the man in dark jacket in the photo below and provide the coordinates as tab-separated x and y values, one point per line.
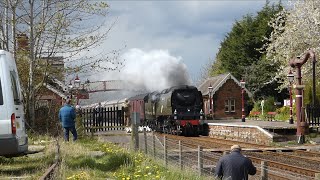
67	115
234	166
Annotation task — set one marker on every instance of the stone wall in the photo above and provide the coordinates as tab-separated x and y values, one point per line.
251	134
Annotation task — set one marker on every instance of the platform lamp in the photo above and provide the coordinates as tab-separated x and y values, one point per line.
70	86
242	84
210	88
77	83
290	79
74	87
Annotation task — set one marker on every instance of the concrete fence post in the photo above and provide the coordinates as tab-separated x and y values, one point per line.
145	141
154	144
180	155
165	151
134	133
264	170
200	160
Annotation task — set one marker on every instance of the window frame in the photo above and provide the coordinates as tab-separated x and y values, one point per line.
230	105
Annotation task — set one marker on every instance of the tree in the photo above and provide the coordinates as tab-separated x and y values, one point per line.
240	51
53	28
295	31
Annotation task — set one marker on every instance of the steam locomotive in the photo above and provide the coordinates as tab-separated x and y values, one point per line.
177	110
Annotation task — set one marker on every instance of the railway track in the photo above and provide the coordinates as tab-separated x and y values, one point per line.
304	166
49	173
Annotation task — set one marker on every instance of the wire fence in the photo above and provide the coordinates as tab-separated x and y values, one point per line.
175	154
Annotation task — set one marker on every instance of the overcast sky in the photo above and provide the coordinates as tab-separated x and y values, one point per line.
188	31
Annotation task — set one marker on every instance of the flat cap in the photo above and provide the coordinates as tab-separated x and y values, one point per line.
235	147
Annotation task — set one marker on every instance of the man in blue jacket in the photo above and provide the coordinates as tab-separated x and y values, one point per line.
67	116
234	166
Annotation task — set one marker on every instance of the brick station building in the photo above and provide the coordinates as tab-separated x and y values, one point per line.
226	97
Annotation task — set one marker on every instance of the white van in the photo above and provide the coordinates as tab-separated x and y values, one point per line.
13	137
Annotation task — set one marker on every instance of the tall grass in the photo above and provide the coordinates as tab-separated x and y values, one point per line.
85	159
90	159
29	166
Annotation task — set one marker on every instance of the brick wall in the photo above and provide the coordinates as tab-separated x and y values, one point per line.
230	90
252	134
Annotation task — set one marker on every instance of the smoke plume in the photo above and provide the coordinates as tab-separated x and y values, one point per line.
154	70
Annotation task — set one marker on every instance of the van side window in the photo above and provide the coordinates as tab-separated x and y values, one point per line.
1	95
15	91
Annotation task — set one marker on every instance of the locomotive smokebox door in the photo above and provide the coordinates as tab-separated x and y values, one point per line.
135	116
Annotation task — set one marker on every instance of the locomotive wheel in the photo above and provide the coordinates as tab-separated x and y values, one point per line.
195	131
205	130
178	130
188	131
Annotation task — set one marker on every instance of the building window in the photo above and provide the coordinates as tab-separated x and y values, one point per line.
230	105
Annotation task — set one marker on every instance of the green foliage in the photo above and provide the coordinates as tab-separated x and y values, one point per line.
240	50
307	95
269	105
283	113
103	163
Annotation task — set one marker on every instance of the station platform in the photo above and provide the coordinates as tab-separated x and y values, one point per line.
260	123
256	131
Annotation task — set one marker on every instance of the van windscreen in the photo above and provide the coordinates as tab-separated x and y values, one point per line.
1	95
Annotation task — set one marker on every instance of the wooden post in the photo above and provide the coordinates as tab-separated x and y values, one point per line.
154	144
165	151
180	155
145	141
200	160
134	132
264	170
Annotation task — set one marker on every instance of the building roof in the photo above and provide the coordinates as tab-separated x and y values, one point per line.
217	82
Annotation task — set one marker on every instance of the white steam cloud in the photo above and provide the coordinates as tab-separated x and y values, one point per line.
154	70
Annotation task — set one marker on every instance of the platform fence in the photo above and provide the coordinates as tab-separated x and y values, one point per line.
313	115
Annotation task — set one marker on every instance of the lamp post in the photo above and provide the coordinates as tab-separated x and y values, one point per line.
290	79
210	88
242	84
74	87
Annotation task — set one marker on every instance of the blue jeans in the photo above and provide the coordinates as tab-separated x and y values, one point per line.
73	131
